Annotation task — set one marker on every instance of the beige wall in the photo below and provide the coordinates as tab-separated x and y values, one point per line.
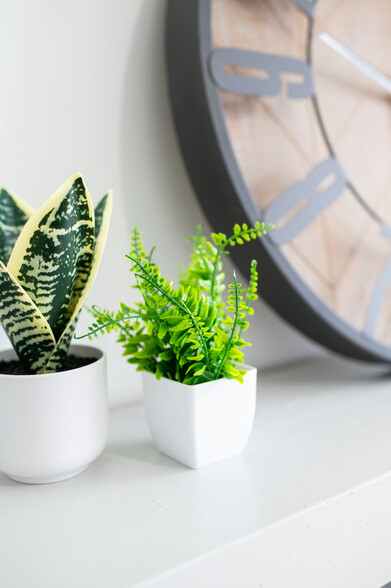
83	89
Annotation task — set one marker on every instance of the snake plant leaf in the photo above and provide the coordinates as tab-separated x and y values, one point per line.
102	220
14	213
53	254
102	215
57	358
27	329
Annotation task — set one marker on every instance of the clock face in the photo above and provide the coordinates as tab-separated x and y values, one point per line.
281	119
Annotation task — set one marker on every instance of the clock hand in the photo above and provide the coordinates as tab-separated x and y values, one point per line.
364	66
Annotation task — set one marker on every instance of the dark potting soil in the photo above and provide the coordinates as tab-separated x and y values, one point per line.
15	368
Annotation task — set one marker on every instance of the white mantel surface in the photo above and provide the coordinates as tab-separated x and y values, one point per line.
308	503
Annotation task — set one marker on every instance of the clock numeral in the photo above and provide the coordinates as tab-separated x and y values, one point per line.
306	6
380	292
311	193
273	65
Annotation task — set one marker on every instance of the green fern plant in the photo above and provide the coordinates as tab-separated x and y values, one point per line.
187	334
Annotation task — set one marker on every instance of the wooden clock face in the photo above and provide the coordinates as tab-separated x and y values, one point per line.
304	136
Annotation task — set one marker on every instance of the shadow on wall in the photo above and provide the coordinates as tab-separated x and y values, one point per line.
160	197
156	187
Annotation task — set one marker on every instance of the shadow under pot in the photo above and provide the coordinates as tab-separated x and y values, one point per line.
52	426
202	424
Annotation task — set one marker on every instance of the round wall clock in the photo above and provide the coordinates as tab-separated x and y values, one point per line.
283	113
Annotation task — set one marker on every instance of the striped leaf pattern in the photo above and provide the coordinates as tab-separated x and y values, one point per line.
51	268
14	214
102	215
60	351
52	257
102	219
27	329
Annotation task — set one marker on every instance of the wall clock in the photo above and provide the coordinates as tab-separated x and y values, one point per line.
283	113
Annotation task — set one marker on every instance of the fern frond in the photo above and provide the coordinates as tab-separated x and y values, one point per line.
235	305
137	245
240	235
155	283
251	294
105	322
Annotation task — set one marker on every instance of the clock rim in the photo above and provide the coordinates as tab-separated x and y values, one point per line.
223	193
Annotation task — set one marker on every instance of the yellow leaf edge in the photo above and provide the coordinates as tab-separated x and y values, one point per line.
16	260
42	325
22	204
98	251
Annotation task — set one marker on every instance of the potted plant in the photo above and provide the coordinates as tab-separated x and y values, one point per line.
53	407
199	397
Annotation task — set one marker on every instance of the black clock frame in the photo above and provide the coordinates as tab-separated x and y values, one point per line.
222	191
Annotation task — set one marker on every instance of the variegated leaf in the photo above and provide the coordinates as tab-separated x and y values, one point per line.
102	214
14	213
60	351
24	324
53	254
102	219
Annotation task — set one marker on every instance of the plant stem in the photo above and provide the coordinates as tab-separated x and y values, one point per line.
229	344
109	323
228	241
181	305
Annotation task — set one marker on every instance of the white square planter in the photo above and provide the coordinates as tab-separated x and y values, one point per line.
202	424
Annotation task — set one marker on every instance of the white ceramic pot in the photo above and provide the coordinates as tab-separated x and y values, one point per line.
52	426
202	424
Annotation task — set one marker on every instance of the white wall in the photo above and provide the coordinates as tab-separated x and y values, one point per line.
83	89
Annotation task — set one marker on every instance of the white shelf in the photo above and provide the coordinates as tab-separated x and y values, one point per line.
306	504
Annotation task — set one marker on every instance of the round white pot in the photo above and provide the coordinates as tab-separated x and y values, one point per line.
202	424
52	426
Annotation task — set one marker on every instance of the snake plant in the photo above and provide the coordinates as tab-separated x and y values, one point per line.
187	334
14	213
48	261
